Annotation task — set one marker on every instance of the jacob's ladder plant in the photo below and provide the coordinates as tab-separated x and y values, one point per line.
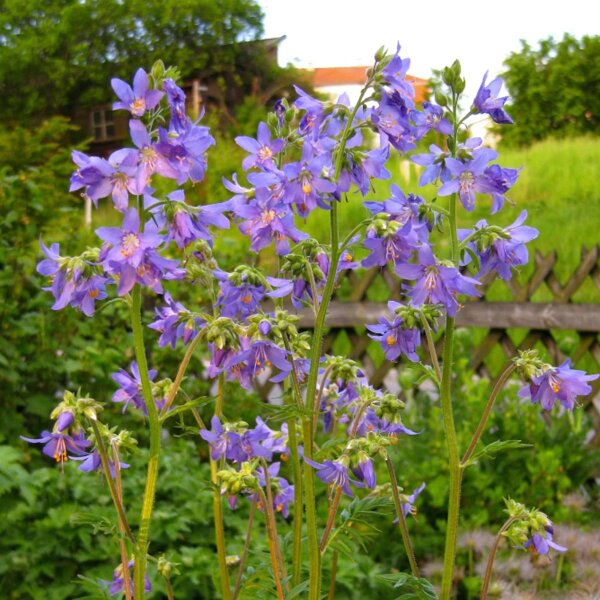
334	431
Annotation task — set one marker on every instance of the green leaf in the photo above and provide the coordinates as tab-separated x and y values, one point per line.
494	448
413	588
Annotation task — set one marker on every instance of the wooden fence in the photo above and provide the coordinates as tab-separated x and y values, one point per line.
542	313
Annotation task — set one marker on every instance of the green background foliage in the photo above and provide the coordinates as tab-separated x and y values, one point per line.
554	89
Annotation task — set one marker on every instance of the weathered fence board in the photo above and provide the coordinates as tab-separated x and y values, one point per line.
542	321
504	315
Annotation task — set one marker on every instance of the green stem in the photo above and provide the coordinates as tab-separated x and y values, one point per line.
455	471
124	558
334	561
217	506
181	372
486	412
330	519
490	564
109	480
432	351
410	553
238	579
269	510
453	462
272	537
297	470
315	354
143	537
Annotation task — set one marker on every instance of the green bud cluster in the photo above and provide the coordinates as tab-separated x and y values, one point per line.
388	407
411	316
451	77
165	567
158	73
80	406
529	364
245	274
484	237
223	332
383	226
233	482
342	368
527	522
161	389
122	439
371	445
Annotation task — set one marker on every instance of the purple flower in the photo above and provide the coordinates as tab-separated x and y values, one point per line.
176	100
149	160
365	472
223	443
505	252
256	358
87	292
436	283
487	101
308	188
118	582
130	387
57	444
391	117
261	149
64	420
131	254
497	181
257	442
395	245
402	209
265	223
409	506
395	72
432	117
395	338
558	383
468	177
92	462
139	99
173	323
190	223
541	543
314	112
115	177
185	151
334	473
237	301
435	165
371	422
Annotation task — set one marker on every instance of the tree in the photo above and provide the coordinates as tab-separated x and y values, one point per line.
60	54
554	89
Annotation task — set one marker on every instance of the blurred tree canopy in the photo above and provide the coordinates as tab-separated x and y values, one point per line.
554	89
59	55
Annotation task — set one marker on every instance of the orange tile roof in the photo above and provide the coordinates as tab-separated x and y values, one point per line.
332	76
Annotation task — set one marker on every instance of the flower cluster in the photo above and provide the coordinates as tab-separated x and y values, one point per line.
309	155
531	530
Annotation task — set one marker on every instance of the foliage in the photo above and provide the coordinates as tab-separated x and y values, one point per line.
46	351
555	89
61	54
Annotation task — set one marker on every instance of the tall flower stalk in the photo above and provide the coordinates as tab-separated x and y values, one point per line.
306	157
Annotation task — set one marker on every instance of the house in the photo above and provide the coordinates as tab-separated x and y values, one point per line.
334	81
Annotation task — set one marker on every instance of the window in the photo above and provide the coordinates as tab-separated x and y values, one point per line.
103	124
